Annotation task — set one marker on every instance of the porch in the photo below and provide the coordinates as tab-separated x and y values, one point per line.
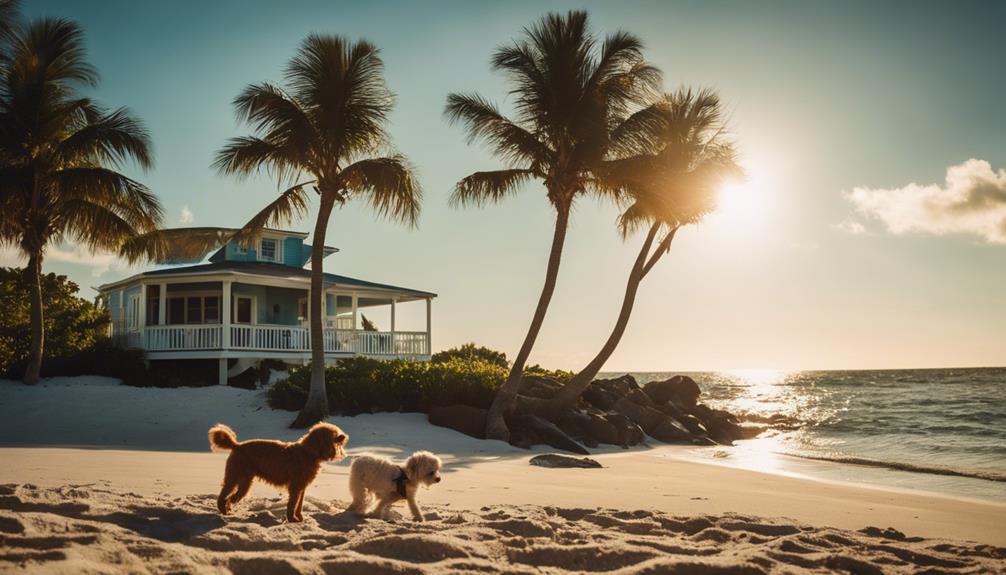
255	317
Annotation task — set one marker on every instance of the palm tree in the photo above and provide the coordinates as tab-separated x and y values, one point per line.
59	153
323	132
673	186
568	94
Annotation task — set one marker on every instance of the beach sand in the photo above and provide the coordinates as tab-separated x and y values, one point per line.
137	494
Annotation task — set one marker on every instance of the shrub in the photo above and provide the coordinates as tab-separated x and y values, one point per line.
470	352
362	385
72	324
102	358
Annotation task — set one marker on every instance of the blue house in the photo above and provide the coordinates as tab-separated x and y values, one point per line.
246	304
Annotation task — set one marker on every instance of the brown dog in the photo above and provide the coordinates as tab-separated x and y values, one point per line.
278	463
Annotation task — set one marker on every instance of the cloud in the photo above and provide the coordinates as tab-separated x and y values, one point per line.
100	263
187	216
851	227
972	200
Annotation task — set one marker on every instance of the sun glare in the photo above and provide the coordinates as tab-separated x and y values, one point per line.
744	206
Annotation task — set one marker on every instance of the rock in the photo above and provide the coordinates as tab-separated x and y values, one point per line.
637	396
558	460
547	433
680	389
603	393
539	386
629	433
601	430
722	430
464	418
599	397
646	417
671	431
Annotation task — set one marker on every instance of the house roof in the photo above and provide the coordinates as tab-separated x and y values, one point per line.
270	270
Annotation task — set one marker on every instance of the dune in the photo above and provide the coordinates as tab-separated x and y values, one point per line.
102	478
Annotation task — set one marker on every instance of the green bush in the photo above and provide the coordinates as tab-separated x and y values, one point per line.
469	352
72	324
102	358
362	385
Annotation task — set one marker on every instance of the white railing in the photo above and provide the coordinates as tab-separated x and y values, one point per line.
270	337
283	338
179	337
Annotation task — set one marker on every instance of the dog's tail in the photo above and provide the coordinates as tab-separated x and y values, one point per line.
222	438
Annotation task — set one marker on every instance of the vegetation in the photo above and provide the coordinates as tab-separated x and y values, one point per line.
571	100
472	352
323	132
364	385
671	187
74	324
59	152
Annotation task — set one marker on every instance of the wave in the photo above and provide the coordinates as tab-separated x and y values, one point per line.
911	467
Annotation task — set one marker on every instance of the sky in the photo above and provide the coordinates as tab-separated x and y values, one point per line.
871	233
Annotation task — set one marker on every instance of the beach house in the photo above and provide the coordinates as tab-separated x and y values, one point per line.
247	303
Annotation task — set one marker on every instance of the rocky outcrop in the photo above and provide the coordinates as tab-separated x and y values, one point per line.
680	390
618	411
464	418
615	411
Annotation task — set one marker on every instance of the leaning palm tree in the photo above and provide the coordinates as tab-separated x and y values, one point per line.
59	153
671	187
323	132
569	94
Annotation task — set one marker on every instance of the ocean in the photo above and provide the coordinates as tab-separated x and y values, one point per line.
941	430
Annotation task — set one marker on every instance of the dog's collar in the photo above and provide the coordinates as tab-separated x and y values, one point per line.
400	483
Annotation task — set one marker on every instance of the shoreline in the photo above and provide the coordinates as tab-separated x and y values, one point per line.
663	479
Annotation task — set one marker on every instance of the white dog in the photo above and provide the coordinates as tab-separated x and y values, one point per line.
379	477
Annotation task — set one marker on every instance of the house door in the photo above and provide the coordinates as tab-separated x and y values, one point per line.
244	308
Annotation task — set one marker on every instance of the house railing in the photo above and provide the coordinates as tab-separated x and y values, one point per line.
281	338
180	337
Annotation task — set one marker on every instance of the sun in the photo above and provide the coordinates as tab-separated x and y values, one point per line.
745	205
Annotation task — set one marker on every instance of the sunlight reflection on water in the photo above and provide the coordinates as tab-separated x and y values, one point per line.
949	419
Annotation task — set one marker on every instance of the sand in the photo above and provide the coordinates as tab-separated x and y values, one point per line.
97	477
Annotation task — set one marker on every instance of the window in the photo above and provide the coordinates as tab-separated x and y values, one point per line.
269	250
176	310
302	307
133	312
211	309
153	311
243	310
194	310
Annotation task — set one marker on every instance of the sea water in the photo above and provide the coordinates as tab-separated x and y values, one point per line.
940	430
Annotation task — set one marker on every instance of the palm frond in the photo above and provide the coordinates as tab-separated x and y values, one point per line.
50	51
290	205
246	155
97	226
482	188
483	121
277	117
173	245
114	137
389	185
342	85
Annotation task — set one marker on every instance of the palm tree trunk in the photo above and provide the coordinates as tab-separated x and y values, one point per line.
496	427
34	367
569	393
316	407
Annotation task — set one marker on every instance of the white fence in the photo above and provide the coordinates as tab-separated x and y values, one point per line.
281	338
179	337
